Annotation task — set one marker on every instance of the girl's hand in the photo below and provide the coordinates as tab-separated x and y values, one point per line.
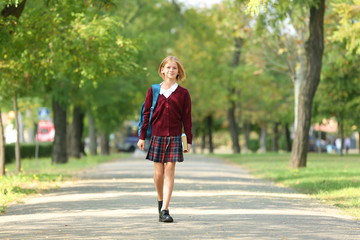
189	148
141	144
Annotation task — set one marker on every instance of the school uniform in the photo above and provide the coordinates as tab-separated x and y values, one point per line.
172	113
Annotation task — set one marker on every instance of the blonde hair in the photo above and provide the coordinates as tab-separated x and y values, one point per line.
181	72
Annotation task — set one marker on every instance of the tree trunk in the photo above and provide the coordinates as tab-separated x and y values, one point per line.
104	144
237	53
82	142
288	137
233	129
69	133
92	134
209	126
2	147
314	52
59	153
76	133
297	85
300	77
203	143
17	144
275	143
263	139
247	136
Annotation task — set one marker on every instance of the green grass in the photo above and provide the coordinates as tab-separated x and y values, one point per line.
333	179
38	176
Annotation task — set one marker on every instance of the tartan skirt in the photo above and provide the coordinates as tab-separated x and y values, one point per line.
165	149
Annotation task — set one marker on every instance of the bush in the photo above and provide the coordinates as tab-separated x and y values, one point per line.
27	151
254	145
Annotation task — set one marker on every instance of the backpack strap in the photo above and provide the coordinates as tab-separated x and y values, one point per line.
156	93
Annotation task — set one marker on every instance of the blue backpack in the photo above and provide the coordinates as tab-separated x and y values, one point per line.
156	92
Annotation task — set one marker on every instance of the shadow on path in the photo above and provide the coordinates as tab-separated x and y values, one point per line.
212	200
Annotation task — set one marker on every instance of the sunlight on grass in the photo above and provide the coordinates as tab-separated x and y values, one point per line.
333	179
40	175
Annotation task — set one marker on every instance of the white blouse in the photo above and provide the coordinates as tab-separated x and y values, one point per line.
169	91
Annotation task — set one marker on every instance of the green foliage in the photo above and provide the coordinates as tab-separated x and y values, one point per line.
27	151
75	53
282	142
254	6
339	89
4	3
254	145
155	25
203	51
348	28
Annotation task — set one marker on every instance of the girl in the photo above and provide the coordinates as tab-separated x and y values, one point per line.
171	114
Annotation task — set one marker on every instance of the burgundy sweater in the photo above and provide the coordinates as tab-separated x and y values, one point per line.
170	114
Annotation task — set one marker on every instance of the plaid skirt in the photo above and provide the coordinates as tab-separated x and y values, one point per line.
165	149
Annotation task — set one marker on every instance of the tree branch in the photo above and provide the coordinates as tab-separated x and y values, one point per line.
13	10
140	6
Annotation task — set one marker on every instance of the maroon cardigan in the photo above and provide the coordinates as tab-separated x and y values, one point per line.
170	114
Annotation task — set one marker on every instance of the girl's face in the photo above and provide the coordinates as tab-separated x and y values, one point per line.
170	70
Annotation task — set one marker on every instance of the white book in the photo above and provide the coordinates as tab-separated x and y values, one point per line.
184	142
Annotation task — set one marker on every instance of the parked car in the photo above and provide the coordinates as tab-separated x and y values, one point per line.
128	144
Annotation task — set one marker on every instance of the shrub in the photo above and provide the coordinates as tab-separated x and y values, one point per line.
27	151
254	145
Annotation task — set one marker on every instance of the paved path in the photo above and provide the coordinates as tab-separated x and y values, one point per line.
212	200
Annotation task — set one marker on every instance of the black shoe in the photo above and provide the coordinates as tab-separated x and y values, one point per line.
160	206
165	217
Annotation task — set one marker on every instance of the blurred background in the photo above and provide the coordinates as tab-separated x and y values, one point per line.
74	74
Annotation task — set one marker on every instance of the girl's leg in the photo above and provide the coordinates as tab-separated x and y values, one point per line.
169	183
159	179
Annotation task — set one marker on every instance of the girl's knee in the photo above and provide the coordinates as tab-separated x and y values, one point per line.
158	175
170	173
170	166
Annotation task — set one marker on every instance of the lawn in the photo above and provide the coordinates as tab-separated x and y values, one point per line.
39	176
333	179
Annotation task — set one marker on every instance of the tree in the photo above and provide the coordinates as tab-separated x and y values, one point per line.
14	83
80	48
347	31
314	50
216	55
201	47
237	28
207	45
277	51
104	67
339	88
284	34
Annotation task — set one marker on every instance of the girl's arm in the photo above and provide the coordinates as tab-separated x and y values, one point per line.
147	106
187	122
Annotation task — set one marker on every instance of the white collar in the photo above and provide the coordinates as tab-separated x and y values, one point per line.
167	92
